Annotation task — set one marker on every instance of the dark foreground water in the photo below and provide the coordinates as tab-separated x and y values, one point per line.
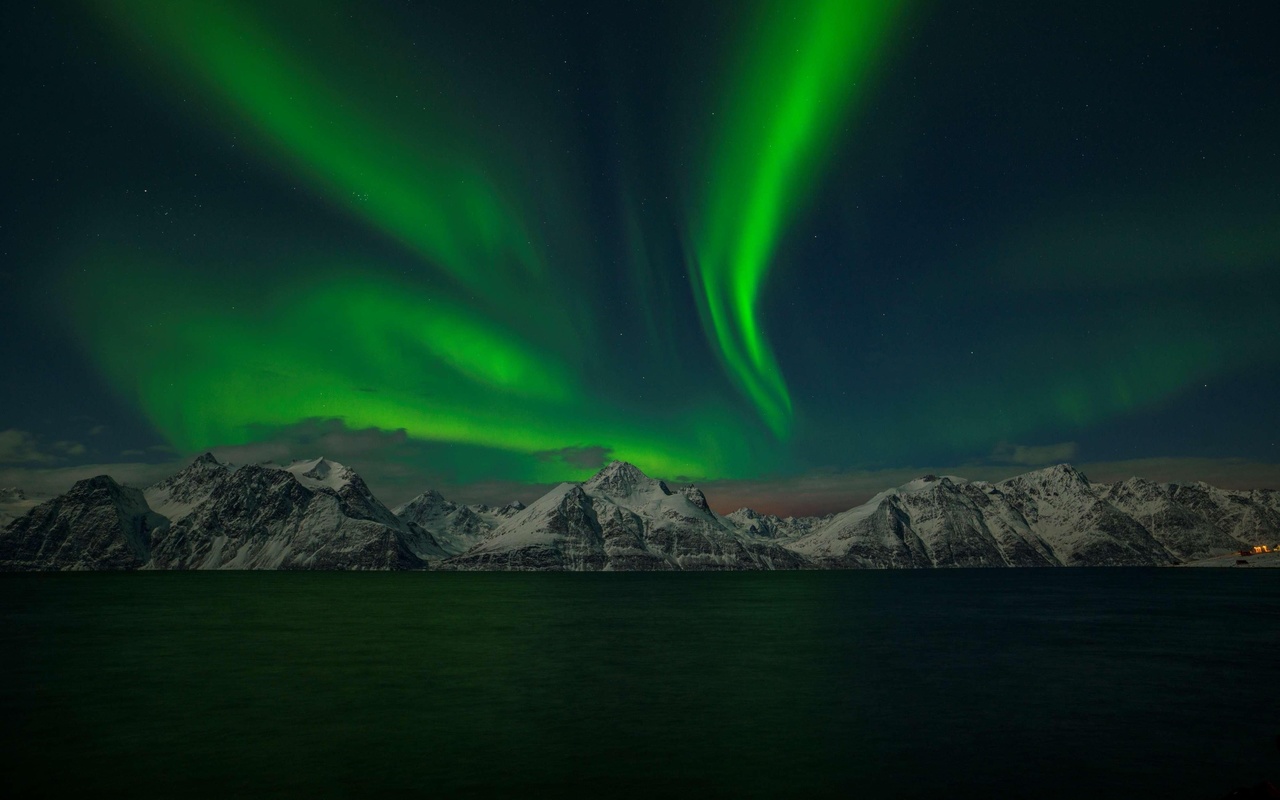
972	683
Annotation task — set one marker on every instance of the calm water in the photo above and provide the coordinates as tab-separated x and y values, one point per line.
983	683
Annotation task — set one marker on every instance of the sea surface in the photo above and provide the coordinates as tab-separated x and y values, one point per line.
1069	683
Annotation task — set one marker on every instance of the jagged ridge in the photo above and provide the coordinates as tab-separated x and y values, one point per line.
319	514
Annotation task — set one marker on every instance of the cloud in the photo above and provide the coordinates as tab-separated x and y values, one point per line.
822	491
584	457
494	493
1033	455
70	449
830	491
395	467
1224	473
21	447
311	438
97	430
39	469
46	481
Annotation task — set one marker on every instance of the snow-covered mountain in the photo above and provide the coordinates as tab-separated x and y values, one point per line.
1197	520
13	504
314	514
318	514
455	527
772	526
97	525
621	519
178	495
307	515
1050	517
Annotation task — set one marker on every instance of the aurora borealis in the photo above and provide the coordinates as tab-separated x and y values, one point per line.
808	60
719	240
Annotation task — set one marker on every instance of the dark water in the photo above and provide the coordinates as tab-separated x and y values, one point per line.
984	683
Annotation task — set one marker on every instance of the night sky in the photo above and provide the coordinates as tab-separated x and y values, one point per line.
750	244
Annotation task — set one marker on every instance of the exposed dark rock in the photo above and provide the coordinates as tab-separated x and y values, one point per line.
97	525
321	515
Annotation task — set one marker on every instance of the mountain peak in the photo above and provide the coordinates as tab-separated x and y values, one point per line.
1057	472
1066	471
96	482
925	483
202	468
695	496
318	469
425	508
621	478
1058	479
321	472
618	468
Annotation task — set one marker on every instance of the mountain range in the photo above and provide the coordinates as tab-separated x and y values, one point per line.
318	514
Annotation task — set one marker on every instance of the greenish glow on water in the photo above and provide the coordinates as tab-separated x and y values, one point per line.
964	683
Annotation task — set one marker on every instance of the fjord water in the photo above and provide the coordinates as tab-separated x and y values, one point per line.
965	683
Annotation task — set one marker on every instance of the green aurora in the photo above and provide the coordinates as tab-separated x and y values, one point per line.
445	370
793	86
721	240
374	353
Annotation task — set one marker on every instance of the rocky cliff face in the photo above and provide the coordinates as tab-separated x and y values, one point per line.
771	526
98	525
456	528
13	504
309	515
176	496
266	520
1196	521
312	515
1050	517
622	520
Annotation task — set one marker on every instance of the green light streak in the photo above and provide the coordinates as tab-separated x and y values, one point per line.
412	174
494	356
215	365
796	83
